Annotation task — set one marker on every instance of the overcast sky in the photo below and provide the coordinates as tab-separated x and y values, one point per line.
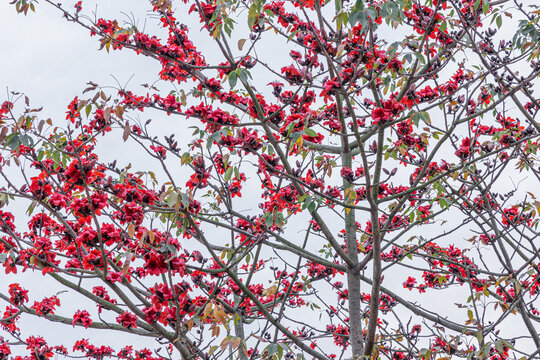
51	60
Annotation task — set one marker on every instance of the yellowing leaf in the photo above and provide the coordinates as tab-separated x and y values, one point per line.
270	291
241	43
219	314
131	230
125	268
127	131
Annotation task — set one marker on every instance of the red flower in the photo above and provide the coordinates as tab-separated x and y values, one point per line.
82	317
131	212
125	352
9	319
38	347
40	187
73	110
46	306
379	116
409	283
4	350
513	216
81	345
19	296
416	329
464	151
5	108
160	151
127	320
155	263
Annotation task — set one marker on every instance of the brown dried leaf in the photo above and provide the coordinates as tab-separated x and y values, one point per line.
93	86
143	237
235	342
207	309
224	343
164	195
219	314
125	268
131	230
340	49
107	113
20	122
241	43
127	131
119	111
3	133
270	291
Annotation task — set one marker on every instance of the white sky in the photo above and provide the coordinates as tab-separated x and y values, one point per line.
51	60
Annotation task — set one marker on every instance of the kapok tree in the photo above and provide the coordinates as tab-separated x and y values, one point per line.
351	173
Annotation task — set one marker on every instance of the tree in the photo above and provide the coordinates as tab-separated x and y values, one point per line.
347	179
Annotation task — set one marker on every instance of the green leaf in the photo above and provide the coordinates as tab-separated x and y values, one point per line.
408	58
228	174
485	7
172	199
443	26
363	19
26	140
243	74
31	208
4	199
499	346
12	140
359	5
233	77
393	48
280	351
253	13
479	337
358	9
185	199
420	57
268	219
507	344
272	348
372	13
279	219
477	4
